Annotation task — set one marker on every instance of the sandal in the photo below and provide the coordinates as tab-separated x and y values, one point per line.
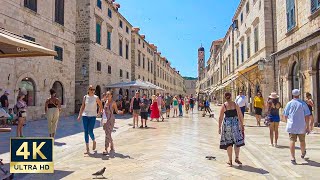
303	154
238	162
105	153
230	163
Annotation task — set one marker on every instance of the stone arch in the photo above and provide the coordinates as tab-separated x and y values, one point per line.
35	83
60	90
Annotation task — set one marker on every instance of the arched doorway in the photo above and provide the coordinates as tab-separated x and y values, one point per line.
295	76
28	86
98	91
318	89
57	86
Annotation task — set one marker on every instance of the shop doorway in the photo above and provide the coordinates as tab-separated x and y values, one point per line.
98	91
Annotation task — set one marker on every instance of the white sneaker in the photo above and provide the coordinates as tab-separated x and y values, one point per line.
271	145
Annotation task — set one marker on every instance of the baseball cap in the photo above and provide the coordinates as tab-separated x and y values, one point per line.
295	92
7	92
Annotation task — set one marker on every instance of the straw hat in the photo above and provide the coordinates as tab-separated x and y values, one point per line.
274	95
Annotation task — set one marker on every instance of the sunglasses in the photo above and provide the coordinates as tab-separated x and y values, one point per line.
92	89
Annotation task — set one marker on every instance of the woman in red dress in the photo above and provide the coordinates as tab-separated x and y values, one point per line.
154	109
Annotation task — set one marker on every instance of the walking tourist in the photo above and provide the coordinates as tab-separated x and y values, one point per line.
4	101
144	110
175	105
21	111
160	105
52	110
310	104
168	101
181	103
297	114
88	112
191	103
135	108
187	104
273	106
154	109
242	102
109	108
232	129
258	104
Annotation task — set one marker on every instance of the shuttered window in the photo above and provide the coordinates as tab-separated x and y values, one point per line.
109	69
315	5
248	46
99	4
59	51
109	40
127	51
109	13
120	48
256	39
291	17
237	56
242	52
98	33
31	4
59	11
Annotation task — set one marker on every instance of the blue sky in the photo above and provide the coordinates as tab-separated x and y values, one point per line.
178	27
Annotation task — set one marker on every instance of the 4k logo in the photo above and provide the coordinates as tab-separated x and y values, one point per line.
31	155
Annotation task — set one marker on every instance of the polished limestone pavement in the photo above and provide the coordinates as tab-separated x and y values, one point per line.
176	149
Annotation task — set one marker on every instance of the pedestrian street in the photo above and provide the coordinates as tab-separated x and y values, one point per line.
174	149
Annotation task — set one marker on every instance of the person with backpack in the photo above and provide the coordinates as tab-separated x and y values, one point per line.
273	106
181	103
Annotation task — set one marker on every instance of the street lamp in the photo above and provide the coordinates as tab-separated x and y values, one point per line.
261	65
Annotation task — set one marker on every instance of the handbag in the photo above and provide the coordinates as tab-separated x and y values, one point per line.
267	120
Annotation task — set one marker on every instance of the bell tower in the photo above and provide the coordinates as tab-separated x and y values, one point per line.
201	64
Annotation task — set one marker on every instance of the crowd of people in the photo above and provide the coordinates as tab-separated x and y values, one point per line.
297	114
154	107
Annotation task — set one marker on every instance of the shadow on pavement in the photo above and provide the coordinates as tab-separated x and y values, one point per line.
59	143
252	169
311	163
286	147
119	155
98	155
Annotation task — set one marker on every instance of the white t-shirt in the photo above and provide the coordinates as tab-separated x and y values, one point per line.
241	101
91	106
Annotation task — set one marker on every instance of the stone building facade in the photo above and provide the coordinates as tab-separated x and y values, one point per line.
103	49
249	41
52	25
298	52
190	84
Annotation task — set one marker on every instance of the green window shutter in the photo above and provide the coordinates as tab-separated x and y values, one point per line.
98	33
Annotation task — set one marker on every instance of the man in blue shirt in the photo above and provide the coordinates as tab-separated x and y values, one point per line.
297	116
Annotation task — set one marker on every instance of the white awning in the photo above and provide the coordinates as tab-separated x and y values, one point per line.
12	45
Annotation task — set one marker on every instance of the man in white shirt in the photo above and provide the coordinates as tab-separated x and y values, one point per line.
297	115
242	102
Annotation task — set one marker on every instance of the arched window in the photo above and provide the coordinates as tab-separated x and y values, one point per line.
57	86
295	76
28	85
98	91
